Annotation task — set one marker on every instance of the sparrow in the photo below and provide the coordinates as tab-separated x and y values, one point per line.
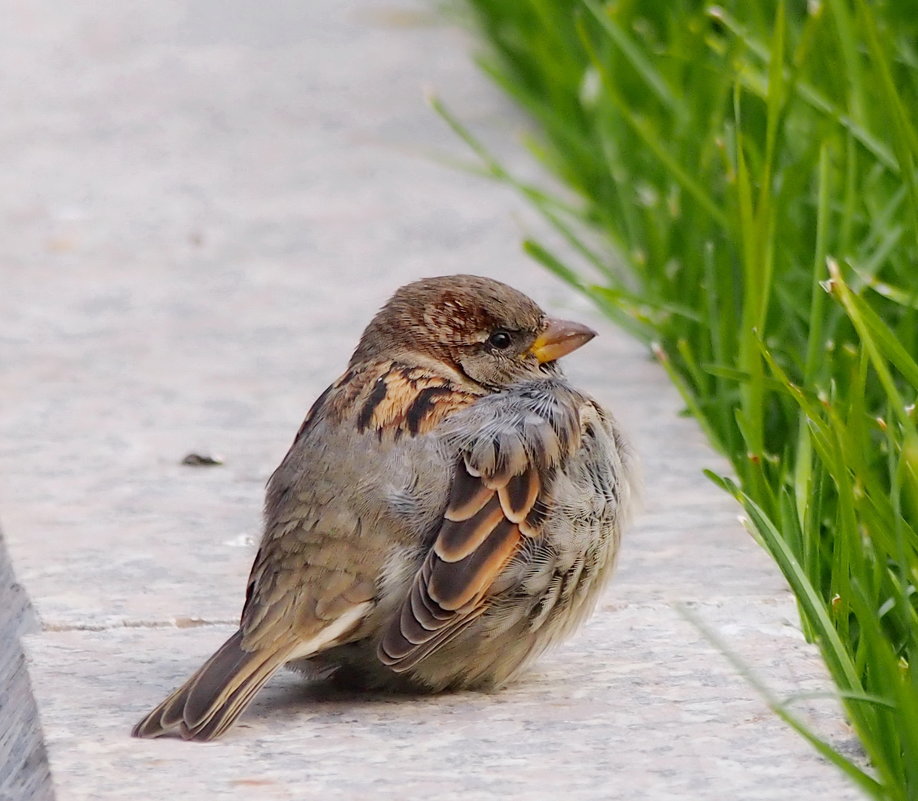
450	507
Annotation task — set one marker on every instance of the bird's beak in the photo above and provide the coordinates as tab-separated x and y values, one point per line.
559	338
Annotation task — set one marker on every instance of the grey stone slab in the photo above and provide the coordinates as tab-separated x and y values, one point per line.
205	203
638	706
24	769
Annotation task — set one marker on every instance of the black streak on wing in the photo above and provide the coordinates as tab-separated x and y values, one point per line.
520	494
377	395
421	405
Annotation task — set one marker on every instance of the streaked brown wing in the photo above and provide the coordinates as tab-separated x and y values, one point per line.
476	541
493	507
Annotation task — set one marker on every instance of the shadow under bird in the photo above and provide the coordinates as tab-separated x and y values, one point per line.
450	507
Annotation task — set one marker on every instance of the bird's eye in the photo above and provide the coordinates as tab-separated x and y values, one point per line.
500	339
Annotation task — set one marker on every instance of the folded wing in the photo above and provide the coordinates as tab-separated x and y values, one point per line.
504	468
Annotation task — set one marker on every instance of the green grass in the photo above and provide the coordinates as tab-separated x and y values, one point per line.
750	171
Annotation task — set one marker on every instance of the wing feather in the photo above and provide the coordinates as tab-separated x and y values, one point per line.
459	539
501	475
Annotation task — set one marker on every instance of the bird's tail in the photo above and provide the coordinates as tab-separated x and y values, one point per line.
206	705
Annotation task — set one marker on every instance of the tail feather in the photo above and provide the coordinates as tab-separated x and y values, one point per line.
211	700
220	719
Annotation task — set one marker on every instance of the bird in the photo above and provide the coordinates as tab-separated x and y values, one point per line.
449	508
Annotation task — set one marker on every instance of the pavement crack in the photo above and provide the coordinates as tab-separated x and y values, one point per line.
174	623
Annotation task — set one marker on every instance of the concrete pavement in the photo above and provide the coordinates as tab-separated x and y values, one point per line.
205	202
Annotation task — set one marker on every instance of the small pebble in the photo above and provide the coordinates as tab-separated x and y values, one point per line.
201	460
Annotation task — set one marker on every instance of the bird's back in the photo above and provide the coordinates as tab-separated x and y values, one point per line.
554	579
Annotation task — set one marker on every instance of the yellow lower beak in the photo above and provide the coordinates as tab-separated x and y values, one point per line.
559	338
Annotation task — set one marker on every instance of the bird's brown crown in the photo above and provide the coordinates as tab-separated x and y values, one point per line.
476	326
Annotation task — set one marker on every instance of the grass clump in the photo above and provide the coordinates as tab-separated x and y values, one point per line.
750	169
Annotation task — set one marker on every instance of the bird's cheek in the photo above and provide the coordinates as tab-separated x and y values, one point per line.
476	366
